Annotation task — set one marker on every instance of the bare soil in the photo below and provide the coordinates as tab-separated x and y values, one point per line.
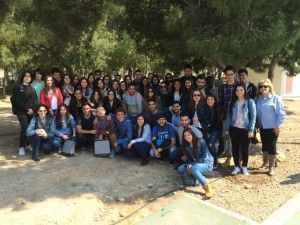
89	190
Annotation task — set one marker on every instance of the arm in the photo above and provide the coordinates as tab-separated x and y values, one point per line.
139	103
43	98
279	111
146	133
252	115
197	132
73	125
19	98
31	128
60	99
128	137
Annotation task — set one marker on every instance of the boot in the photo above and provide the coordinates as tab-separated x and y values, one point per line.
272	159
35	154
209	192
227	162
265	160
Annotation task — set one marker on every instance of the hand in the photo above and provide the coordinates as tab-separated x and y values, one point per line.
65	137
51	112
100	136
189	168
184	158
93	132
129	145
250	134
157	154
43	133
109	117
29	111
276	131
226	135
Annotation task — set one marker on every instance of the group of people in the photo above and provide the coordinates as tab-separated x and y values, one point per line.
189	121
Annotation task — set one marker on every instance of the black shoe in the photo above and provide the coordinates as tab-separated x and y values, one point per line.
35	155
36	159
144	162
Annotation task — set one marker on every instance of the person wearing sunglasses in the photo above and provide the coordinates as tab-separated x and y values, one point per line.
41	132
165	98
270	117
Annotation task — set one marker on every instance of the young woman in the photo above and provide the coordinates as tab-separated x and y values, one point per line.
106	81
100	87
85	89
144	86
270	115
141	143
240	124
38	83
64	127
40	132
215	124
67	89
127	80
150	95
51	96
123	89
186	94
111	103
75	81
24	102
115	88
197	110
176	92
91	80
76	104
155	83
197	160
96	100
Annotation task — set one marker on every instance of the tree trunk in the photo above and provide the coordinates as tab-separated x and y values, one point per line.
272	67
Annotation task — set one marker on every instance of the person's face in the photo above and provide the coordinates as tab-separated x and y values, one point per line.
131	90
111	96
240	92
128	80
188	137
78	94
49	82
115	85
196	96
56	76
138	75
169	78
100	112
210	101
200	83
42	112
188	72
150	93
170	86
83	83
155	80
177	85
243	77
163	87
100	84
123	86
140	121
188	84
75	80
229	76
264	89
151	106
67	80
86	110
106	80
161	122
176	108
91	79
185	121
120	116
63	111
38	76
145	82
150	76
27	78
118	78
96	95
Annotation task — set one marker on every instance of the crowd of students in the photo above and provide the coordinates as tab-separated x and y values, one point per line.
189	121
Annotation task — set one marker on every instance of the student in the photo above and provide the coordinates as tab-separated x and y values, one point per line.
144	86
211	88
76	103
124	130
188	74
38	83
152	114
164	140
40	132
155	83
141	143
115	87
138	80
84	127
91	80
165	98
176	109
64	127
86	90
198	160
201	84
176	92
111	103
270	117
67	89
133	102
95	100
240	123
24	102
99	86
186	94
105	129
51	96
198	112
151	95
55	73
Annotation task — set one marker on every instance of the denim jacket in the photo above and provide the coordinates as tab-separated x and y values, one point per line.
249	115
36	123
203	155
65	130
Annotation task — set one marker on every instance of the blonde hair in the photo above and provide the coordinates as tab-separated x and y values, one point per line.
268	82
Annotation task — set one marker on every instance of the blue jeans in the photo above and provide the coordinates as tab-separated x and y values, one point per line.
140	149
24	121
39	143
121	148
173	153
212	143
197	170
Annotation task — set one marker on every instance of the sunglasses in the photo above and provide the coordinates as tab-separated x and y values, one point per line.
198	95
263	86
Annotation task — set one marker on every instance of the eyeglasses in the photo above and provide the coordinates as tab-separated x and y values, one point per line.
197	95
263	86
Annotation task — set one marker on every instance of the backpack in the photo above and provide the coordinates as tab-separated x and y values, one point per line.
13	99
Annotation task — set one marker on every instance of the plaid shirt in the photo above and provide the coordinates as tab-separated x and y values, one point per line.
225	95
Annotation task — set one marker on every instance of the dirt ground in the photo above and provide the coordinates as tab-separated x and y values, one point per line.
89	190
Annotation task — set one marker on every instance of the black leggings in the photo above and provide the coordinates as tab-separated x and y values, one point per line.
268	141
240	143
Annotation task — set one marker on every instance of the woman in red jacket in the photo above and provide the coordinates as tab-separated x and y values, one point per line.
51	96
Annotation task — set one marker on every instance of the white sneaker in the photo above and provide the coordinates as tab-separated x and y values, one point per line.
235	170
21	151
245	171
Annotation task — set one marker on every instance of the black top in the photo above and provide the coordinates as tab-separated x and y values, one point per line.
86	123
111	109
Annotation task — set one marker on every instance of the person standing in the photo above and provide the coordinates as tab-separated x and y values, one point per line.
270	117
38	83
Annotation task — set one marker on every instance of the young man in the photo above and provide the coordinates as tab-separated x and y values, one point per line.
152	114
133	102
138	79
165	98
176	108
225	95
211	88
55	73
201	84
124	130
164	140
105	129
188	73
85	130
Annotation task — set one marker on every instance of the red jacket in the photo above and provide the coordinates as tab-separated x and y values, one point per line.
47	100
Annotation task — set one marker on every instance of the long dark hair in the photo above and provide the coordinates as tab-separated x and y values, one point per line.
23	75
234	98
217	112
192	103
38	108
136	126
58	118
47	89
186	144
87	89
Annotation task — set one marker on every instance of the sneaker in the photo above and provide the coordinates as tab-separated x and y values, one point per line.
245	171
112	154
235	170
21	151
29	148
59	150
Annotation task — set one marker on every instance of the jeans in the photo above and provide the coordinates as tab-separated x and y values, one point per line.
140	149
212	143
226	142
57	142
121	148
39	143
240	142
24	120
197	170
172	153
268	141
85	140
